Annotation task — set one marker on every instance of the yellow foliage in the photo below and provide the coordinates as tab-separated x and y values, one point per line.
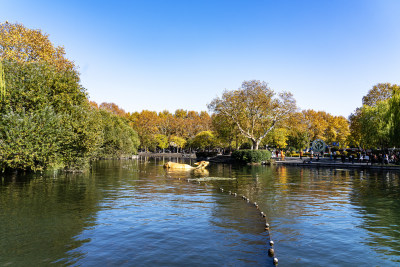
25	45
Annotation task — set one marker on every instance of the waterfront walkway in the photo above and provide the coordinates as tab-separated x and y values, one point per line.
326	162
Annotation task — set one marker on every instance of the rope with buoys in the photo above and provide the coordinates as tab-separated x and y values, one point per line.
271	250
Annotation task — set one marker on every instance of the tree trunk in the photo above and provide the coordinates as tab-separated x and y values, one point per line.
254	144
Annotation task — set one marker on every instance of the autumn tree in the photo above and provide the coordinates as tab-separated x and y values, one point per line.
316	123
255	109
165	123
145	124
337	130
179	123
355	136
18	43
298	135
113	108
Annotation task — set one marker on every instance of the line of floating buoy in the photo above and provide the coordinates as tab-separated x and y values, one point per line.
271	250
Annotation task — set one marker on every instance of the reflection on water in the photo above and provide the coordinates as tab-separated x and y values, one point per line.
135	213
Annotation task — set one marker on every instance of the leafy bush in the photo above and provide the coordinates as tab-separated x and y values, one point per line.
251	156
30	141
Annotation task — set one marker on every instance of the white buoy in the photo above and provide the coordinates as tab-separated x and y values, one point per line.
271	243
275	261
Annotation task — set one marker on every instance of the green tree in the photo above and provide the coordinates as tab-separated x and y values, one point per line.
31	141
177	142
374	125
394	118
254	109
203	140
119	140
34	87
277	138
37	85
162	141
83	139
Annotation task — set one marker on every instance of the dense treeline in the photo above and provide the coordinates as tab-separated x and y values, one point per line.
46	119
166	130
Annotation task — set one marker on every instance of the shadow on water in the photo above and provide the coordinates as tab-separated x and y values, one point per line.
41	215
377	195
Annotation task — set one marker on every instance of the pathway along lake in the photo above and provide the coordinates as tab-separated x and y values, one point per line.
134	213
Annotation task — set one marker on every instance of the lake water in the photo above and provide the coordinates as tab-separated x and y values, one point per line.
134	213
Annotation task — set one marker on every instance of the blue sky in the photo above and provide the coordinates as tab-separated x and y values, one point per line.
159	55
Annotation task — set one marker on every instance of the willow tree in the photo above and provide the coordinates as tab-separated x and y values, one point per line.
2	82
379	92
394	118
255	109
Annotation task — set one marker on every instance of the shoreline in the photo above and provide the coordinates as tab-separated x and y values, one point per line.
328	163
167	155
289	161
